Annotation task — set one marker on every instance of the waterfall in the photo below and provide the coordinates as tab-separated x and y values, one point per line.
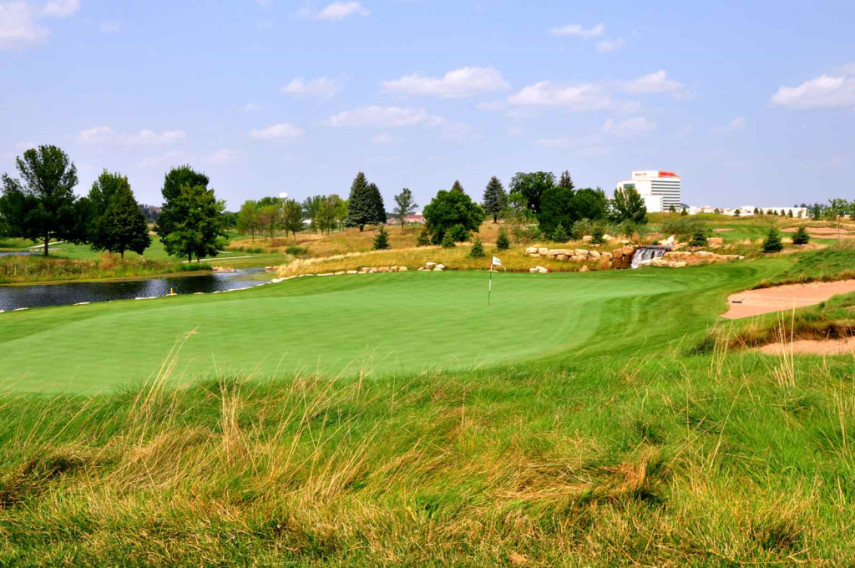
645	255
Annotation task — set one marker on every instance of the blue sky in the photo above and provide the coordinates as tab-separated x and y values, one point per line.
750	102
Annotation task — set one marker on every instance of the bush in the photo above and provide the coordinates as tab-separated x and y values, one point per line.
477	249
502	242
699	237
581	228
684	228
424	238
773	241
293	250
381	239
447	241
459	233
801	237
559	235
597	235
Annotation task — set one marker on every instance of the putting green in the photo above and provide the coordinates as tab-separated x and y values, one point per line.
366	323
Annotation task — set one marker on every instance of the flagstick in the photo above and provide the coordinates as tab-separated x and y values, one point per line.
490	287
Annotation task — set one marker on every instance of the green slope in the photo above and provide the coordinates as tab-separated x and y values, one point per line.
366	323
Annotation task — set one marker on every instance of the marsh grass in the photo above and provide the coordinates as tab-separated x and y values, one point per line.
29	269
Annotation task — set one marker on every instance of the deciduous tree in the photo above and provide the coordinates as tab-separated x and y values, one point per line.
532	185
628	205
196	227
450	208
404	205
115	221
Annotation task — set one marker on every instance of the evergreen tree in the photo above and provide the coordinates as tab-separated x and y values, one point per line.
773	241
41	205
801	236
381	239
457	187
502	241
790	213
756	211
684	212
360	206
559	235
447	241
699	236
495	199
404	205
566	181
737	213
672	209
424	238
477	249
378	209
116	222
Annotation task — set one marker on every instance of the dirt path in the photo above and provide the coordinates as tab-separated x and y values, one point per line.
767	300
812	347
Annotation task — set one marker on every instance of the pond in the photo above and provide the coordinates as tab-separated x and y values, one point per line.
64	294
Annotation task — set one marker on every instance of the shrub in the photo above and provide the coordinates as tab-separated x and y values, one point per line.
581	228
773	241
293	250
459	233
801	237
699	237
597	235
424	238
477	249
107	261
684	228
381	239
559	235
502	242
447	241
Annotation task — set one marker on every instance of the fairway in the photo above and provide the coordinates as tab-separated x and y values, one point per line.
362	324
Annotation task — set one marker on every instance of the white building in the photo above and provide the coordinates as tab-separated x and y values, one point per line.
660	190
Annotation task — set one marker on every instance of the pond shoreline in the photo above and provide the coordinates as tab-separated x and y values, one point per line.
106	279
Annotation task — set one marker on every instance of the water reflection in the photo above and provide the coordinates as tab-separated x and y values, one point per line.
13	297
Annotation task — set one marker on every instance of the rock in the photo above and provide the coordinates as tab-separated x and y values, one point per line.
383	269
534	255
560	257
587	239
402	269
595	255
532	270
439	267
423	269
340	272
607	255
579	258
581	252
608	238
531	250
430	265
542	269
584	269
353	272
543	251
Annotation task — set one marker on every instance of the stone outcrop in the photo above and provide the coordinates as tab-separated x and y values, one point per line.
618	258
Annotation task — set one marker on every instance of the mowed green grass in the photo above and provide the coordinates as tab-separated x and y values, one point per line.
368	324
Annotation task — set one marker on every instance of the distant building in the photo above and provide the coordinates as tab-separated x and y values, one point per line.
660	190
748	210
412	219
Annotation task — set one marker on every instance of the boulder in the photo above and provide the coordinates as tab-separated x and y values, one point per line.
560	257
608	238
339	272
542	270
402	269
532	270
581	252
353	272
584	269
531	250
543	251
587	239
439	267
715	241
430	265
595	255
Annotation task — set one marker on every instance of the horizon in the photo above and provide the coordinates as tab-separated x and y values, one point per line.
746	104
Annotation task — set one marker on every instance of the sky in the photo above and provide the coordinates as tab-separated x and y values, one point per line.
751	103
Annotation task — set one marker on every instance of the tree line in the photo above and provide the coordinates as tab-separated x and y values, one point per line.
40	205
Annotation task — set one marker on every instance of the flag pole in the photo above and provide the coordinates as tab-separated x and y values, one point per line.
490	287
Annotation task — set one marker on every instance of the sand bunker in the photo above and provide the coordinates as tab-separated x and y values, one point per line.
767	300
812	347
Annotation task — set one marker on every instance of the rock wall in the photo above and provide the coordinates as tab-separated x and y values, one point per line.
617	258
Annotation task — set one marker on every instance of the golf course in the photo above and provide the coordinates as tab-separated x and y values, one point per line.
363	324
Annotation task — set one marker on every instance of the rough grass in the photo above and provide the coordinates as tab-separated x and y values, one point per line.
30	269
829	264
649	459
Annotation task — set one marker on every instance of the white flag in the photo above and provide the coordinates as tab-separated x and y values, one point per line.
496	261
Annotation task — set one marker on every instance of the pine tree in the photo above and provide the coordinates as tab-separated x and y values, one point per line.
424	238
684	212
559	235
378	209
773	241
457	187
801	236
495	198
360	206
447	241
672	209
502	241
477	249
381	240
566	181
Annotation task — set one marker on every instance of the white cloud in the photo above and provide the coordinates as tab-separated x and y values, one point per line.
734	125
384	117
459	83
581	97
320	87
283	130
629	127
657	82
384	139
825	91
609	45
61	8
18	26
110	27
338	11
575	30
106	135
222	157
